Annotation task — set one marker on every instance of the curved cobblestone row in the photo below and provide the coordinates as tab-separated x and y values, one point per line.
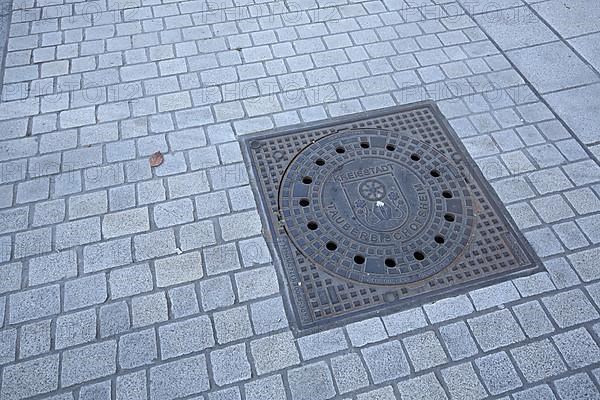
121	281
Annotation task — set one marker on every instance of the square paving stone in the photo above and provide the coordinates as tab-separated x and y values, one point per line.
576	387
535	393
463	383
385	393
230	364
179	338
570	19
498	373
589	47
552	66
533	319
425	350
274	352
270	387
425	387
577	347
311	382
232	324
496	329
349	373
538	361
458	340
322	343
570	308
386	361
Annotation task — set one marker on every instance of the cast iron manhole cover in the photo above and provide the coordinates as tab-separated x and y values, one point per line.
380	210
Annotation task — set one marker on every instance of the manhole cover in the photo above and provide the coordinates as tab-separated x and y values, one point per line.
380	211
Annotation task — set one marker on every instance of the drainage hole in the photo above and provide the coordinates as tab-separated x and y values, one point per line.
365	145
331	246
449	217
359	259
312	225
447	194
340	150
390	147
435	173
320	162
307	180
304	202
415	157
390	262
419	255
439	239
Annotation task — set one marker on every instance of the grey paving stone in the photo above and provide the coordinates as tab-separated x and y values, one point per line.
132	386
322	343
232	324
523	215
130	281
450	308
223	258
154	244
125	222
583	200
179	378
8	346
179	338
34	303
35	339
463	383
52	267
232	393
386	361
349	373
230	364
30	378
240	225
183	301
573	20
88	204
78	232
424	387
496	329
404	321
311	382
107	254
256	283
173	213
76	368
458	340
11	277
534	284
196	235
424	350
385	393
365	332
498	373
268	315
114	319
178	269
494	295
572	104
552	208
33	242
578	386
587	46
274	352
544	242
74	329
211	204
149	309
270	387
536	392
561	273
570	308
86	291
137	349
538	361
533	319
97	391
216	292
577	347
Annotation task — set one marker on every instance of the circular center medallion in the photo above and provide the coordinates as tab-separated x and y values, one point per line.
376	207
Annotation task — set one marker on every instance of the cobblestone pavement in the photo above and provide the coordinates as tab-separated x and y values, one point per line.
122	281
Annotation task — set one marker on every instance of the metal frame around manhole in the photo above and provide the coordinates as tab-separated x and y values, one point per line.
327	280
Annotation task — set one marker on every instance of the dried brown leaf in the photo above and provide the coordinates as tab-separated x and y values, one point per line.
156	159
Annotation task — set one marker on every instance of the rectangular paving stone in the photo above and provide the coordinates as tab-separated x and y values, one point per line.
270	387
131	386
404	321
30	378
154	244
256	283
233	324
179	378
34	303
35	339
77	368
322	343
8	346
578	386
52	267
494	295
74	329
496	329
130	281
537	392
538	361
10	277
179	338
178	269
424	350
125	222
422	387
149	309
449	308
78	232
107	254
365	332
458	340
349	373
114	319
533	319
85	291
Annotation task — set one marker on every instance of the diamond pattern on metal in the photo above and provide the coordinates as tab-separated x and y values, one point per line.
380	211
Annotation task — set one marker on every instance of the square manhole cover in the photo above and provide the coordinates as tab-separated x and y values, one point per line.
380	210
